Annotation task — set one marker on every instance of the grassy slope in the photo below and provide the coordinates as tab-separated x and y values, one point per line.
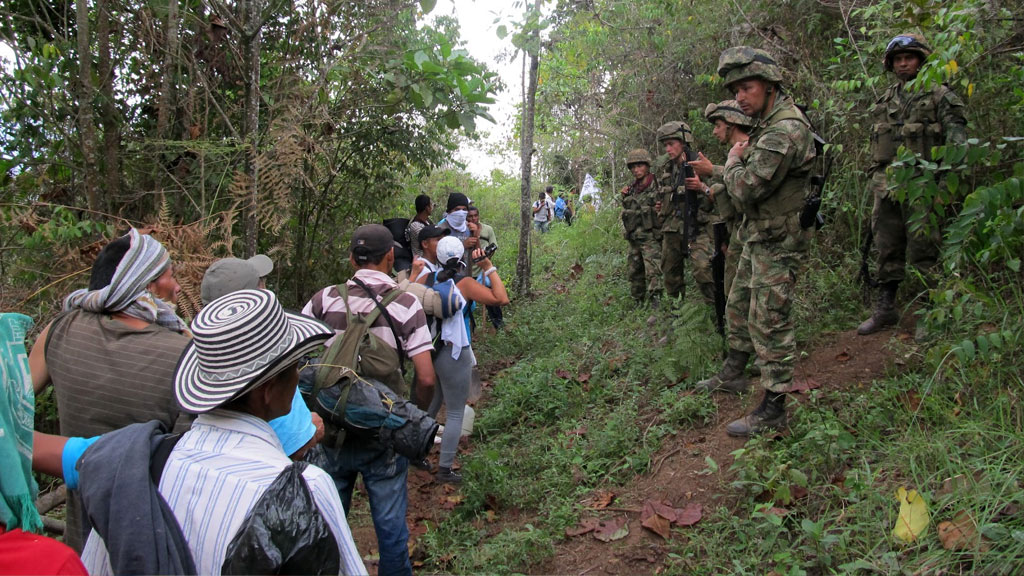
849	448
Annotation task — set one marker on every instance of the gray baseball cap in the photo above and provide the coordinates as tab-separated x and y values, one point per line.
233	274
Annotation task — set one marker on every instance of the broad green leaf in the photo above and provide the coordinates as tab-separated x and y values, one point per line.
420	57
427	6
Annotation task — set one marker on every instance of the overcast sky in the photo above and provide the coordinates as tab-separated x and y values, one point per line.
479	33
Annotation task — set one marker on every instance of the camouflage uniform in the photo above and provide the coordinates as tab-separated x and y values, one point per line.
642	232
918	121
727	209
672	195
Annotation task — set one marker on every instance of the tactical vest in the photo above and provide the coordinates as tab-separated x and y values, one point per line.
777	217
671	214
913	122
638	215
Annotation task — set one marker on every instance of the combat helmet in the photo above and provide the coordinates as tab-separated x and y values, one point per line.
914	43
677	131
728	111
742	62
638	156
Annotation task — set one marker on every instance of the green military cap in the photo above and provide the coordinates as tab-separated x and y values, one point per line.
728	111
742	62
675	130
638	156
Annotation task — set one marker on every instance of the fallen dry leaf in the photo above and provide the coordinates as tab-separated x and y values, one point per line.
584	377
798	492
658	524
614	529
843	356
913	400
449	502
598	276
490	516
575	271
657	517
585	526
581	431
563	374
776	511
690	515
602	499
962	534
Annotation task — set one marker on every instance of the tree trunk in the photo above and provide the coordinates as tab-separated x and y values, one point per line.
250	128
523	263
108	111
86	93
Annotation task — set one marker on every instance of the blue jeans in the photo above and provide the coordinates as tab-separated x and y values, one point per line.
384	475
541	227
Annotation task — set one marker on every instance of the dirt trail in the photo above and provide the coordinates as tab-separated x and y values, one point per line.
678	471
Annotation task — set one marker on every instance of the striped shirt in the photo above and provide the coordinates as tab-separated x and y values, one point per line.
406	311
107	375
215	475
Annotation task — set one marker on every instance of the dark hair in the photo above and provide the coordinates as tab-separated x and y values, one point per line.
549	189
542	196
422	202
364	259
472	208
106	262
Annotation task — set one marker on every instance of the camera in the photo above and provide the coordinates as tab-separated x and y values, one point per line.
488	252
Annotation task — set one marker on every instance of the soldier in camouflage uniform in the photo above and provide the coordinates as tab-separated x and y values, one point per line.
642	229
731	125
917	120
678	141
769	178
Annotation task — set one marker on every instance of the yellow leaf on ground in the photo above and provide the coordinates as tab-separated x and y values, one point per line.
913	520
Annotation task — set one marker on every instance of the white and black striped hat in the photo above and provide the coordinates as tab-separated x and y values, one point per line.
240	341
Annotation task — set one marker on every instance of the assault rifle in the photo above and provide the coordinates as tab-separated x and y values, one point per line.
720	235
688	212
811	213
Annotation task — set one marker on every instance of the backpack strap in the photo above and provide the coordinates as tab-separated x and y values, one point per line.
382	308
160	455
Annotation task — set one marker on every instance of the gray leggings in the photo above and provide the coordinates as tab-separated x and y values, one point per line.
454	377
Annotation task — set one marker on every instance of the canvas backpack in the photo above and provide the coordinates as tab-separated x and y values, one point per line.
359	352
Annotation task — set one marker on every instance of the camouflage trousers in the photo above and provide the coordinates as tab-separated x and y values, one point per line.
673	264
897	245
759	310
643	267
702	250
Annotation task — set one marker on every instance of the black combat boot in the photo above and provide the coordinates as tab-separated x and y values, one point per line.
770	415
731	378
885	311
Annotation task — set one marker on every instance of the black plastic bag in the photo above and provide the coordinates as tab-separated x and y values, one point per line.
284	533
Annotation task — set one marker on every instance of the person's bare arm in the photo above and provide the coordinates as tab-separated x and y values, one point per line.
47	453
496	295
426	379
37	361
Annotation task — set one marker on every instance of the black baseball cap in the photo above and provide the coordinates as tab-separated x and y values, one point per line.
371	240
431	231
